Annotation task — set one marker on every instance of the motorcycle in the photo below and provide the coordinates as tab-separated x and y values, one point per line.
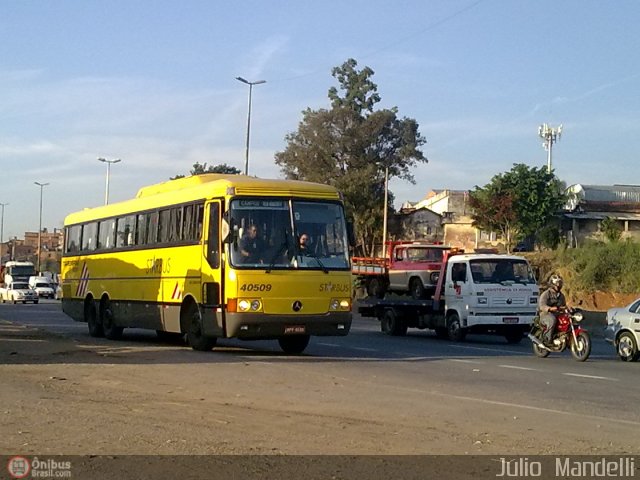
568	333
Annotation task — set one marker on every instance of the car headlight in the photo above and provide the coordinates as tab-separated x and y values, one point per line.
482	300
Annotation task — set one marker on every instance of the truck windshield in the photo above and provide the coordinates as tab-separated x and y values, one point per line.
276	233
501	270
21	270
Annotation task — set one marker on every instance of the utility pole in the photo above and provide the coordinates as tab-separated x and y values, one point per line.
108	162
41	185
384	214
2	223
246	154
550	136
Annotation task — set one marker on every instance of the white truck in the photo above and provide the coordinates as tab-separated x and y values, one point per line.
14	271
18	292
475	293
42	286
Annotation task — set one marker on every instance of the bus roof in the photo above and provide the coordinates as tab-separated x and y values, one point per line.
208	185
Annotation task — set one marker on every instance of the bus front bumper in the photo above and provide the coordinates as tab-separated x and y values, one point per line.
253	326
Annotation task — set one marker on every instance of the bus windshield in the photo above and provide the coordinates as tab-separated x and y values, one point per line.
277	233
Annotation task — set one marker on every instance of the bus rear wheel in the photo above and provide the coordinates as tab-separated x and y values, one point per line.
195	333
111	330
295	344
90	315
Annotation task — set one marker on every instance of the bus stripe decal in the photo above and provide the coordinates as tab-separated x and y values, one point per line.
84	281
176	293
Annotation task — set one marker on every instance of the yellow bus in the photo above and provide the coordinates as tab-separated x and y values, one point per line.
213	256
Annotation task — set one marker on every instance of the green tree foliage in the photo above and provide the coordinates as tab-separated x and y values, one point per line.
611	229
200	168
518	203
350	145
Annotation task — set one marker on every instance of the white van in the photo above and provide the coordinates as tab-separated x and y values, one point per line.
42	286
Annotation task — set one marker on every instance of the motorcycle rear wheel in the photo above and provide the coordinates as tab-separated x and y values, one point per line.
582	348
538	351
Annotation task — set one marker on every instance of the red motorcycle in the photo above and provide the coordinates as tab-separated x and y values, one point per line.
568	333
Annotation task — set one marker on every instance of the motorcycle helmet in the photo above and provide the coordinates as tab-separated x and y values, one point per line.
556	280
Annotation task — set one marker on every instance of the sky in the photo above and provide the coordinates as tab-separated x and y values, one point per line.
153	83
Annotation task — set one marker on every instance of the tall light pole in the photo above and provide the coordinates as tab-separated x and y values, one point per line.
246	154
108	162
2	205
384	215
550	136
41	185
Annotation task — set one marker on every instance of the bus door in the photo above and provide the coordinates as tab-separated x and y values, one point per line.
211	272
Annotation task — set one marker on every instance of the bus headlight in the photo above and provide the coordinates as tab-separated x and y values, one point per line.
247	305
340	304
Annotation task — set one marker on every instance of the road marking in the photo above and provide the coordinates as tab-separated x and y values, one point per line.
328	344
500	350
515	367
594	377
22	340
363	349
460	360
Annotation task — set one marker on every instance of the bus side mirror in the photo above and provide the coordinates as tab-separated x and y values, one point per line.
351	234
229	230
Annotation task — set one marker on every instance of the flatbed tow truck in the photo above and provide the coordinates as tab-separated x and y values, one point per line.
475	293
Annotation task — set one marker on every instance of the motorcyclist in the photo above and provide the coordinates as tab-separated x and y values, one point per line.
550	302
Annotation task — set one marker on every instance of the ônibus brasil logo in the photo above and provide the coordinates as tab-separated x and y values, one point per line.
18	467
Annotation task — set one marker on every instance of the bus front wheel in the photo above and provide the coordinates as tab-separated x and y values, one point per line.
295	344
195	334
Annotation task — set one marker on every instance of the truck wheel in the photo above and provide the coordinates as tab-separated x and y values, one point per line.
442	333
514	336
417	289
454	329
392	324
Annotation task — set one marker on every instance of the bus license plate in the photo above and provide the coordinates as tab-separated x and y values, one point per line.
509	319
294	329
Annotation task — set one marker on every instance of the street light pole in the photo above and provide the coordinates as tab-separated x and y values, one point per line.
108	162
550	136
41	185
246	154
2	205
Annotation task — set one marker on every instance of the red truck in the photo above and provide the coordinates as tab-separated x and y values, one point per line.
408	268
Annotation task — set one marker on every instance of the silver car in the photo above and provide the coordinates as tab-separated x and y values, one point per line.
623	330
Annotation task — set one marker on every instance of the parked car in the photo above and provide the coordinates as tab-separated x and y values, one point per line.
18	292
623	330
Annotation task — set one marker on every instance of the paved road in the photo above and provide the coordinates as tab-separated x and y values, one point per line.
591	402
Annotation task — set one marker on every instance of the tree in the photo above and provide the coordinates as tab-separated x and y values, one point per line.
518	203
611	229
199	169
350	145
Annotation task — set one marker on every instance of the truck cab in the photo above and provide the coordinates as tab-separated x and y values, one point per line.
486	292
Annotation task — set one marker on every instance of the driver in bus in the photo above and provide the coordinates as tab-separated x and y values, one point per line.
251	247
305	244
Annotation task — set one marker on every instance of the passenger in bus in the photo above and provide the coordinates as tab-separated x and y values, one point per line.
251	247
